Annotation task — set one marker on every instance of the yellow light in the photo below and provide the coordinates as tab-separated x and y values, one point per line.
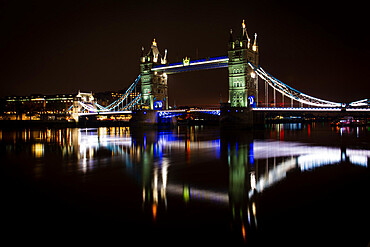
37	99
154	210
154	43
38	149
243	232
253	75
243	24
186	61
186	193
254	208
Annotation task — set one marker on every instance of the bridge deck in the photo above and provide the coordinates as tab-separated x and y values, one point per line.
217	111
104	113
310	109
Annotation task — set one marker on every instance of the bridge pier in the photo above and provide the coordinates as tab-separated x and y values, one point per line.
241	117
144	118
229	116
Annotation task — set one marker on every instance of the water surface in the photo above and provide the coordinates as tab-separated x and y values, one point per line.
290	184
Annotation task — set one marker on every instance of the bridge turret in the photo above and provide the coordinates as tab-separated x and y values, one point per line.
155	52
255	46
164	60
231	40
142	56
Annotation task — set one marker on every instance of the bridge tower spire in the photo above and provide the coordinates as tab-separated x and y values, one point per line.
153	84
243	88
245	38
255	47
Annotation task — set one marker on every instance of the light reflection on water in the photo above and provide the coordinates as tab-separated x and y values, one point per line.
255	162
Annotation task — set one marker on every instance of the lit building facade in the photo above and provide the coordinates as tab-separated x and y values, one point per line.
38	104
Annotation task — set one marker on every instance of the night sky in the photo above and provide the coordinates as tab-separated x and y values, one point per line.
51	47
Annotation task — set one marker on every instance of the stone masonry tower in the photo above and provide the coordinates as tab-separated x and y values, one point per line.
243	82
153	84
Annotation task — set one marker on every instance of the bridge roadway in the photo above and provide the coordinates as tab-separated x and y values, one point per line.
160	112
171	113
310	109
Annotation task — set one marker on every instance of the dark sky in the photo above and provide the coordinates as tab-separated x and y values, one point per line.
62	46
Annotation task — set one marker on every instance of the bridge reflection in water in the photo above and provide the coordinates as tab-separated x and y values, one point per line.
254	164
230	170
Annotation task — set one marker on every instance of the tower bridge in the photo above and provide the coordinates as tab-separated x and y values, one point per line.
246	78
243	82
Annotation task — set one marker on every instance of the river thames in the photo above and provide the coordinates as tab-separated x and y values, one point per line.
289	184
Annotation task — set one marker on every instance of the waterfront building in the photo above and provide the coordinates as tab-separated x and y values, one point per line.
32	106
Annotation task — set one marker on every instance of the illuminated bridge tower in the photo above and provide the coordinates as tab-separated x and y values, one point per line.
153	84
243	82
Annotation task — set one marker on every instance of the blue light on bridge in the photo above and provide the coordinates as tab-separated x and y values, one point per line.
158	105
252	102
173	64
198	61
218	58
213	112
170	114
163	114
